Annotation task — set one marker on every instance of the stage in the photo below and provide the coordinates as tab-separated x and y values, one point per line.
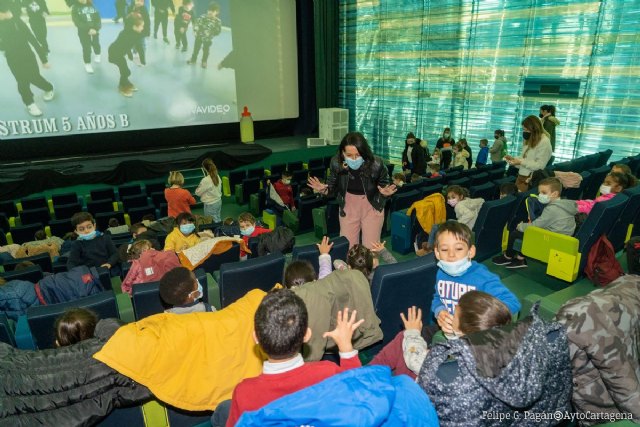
46	177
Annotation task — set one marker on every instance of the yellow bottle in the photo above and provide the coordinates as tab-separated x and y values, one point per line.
246	126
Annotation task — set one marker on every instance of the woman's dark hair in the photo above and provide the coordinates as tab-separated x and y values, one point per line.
446	130
298	273
360	142
75	325
360	258
500	132
410	135
624	180
550	108
185	216
479	311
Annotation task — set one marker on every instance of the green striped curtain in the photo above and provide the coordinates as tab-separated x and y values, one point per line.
408	65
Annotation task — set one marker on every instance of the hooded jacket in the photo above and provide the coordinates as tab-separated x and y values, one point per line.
150	267
558	217
519	370
419	157
467	211
604	337
373	175
369	395
429	211
325	297
64	386
549	124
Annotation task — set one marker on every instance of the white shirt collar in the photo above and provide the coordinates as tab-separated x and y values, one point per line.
282	367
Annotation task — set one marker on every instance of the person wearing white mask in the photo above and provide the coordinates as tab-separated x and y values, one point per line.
458	274
613	184
536	152
360	182
558	216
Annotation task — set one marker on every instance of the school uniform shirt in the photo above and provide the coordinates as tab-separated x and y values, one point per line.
449	289
86	17
282	379
178	199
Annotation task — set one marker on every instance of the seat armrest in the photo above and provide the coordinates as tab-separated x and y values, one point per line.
538	242
214	291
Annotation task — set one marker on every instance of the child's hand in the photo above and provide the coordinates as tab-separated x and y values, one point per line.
106	265
182	30
92	32
413	319
377	247
324	246
445	321
343	332
388	190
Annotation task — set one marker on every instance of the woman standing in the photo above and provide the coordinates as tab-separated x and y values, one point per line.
414	156
536	152
445	145
499	147
360	182
209	190
549	122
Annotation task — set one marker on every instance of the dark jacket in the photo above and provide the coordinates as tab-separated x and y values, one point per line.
64	386
86	17
501	371
604	337
93	253
16	40
373	175
163	5
123	44
183	18
142	10
418	158
35	8
18	295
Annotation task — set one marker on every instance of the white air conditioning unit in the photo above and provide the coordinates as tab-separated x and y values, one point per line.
316	142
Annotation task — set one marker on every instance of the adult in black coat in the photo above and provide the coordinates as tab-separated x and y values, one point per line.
414	156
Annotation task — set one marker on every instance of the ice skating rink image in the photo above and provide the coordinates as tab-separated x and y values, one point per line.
168	92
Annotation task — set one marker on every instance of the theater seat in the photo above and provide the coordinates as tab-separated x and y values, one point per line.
64	199
238	278
43	260
42	318
66	211
326	220
576	193
213	263
396	287
244	190
597	178
6	331
492	218
486	191
620	232
566	256
305	214
34	203
31	274
310	252
34	216
146	300
129	190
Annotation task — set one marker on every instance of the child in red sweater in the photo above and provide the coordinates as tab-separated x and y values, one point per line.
285	191
281	328
248	229
178	199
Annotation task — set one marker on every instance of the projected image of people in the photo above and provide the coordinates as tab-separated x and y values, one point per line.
90	66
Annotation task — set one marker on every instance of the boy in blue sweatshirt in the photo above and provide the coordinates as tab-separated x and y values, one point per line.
457	274
483	155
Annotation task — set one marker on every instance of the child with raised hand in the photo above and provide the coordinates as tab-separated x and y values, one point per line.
614	183
558	216
181	289
281	328
206	28
458	274
178	199
365	260
184	234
